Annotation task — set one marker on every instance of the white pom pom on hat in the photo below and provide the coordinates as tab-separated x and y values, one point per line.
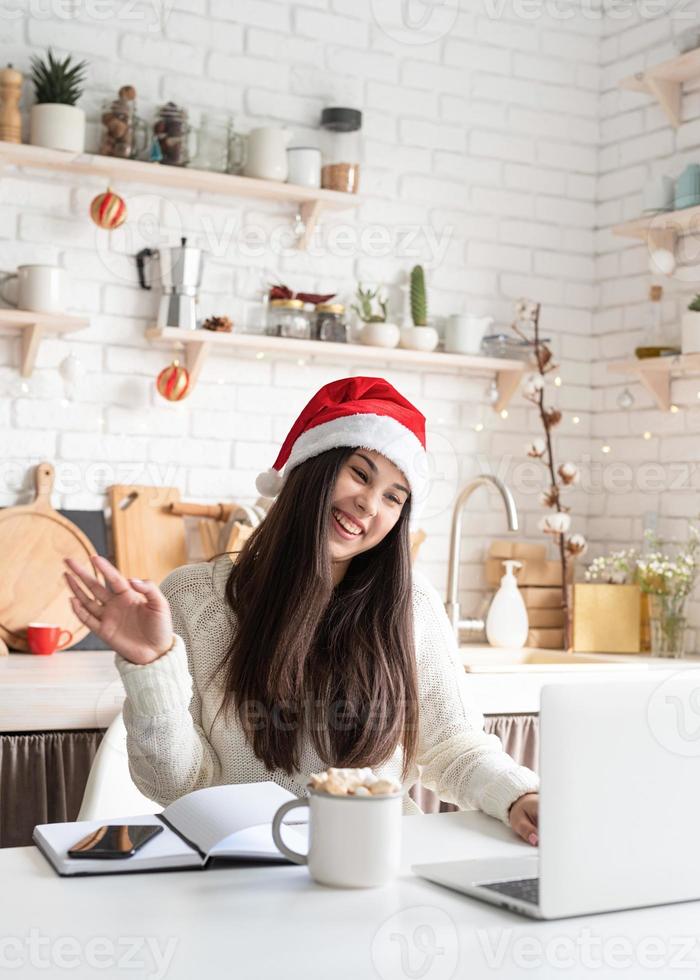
355	412
269	483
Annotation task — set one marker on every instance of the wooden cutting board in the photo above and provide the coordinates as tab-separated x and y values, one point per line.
34	540
149	541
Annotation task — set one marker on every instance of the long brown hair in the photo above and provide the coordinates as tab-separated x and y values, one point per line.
336	664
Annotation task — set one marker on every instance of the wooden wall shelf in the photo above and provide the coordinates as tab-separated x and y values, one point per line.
32	327
655	373
664	82
676	222
310	201
198	343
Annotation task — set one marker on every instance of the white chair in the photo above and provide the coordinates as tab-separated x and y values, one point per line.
110	790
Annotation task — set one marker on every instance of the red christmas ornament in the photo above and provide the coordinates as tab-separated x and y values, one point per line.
173	382
108	210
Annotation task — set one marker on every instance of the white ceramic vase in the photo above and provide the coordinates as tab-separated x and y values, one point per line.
419	338
380	334
57	126
690	332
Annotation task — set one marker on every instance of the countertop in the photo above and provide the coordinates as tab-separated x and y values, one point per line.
274	921
79	689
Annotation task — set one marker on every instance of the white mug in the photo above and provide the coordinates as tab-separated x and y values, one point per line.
304	166
354	841
40	288
266	153
464	333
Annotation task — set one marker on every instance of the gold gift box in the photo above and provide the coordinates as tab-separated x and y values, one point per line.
606	618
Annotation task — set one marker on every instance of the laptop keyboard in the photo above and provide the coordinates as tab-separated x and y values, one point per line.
526	889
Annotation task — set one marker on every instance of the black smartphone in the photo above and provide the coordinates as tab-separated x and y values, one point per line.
114	841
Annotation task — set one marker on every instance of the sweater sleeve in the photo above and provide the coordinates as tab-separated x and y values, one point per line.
169	752
456	758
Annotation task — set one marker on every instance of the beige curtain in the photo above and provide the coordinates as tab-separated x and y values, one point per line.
520	737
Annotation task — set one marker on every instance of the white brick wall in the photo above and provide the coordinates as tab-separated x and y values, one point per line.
660	475
487	135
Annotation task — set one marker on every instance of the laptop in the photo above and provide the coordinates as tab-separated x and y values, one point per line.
619	803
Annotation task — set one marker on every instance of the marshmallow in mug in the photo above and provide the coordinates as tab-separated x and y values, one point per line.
352	782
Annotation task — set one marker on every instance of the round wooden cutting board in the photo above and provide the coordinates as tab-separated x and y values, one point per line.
34	540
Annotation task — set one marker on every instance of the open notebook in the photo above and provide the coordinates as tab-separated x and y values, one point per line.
217	822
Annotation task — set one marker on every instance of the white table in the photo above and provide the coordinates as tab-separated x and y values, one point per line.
253	923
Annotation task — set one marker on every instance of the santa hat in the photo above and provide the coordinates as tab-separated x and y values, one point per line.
355	412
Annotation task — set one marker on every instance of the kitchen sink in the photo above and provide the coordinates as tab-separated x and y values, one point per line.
484	659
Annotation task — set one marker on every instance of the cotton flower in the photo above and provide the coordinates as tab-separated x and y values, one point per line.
537	448
550	498
526	309
569	473
552	417
533	386
576	545
555	523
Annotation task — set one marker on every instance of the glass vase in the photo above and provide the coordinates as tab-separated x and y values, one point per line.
667	625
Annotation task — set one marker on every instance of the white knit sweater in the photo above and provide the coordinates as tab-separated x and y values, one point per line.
175	748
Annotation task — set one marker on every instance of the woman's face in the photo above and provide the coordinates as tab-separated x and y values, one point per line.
368	498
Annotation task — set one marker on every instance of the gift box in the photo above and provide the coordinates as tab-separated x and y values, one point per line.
606	618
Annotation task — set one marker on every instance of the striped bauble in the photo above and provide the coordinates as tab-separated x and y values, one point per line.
108	210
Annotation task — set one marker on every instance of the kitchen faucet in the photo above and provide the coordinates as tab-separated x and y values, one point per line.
452	604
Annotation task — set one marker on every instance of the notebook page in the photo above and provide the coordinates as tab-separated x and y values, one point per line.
209	815
258	842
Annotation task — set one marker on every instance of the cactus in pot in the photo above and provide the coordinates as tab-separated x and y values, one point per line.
55	121
373	309
420	336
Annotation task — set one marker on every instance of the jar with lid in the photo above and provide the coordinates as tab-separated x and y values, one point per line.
124	133
287	318
342	146
330	323
171	131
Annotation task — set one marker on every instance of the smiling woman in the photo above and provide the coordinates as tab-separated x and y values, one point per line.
319	646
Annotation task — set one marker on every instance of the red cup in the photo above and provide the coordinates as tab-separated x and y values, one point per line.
44	638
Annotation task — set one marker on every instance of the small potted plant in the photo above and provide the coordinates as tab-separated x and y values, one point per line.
420	336
690	327
372	308
55	121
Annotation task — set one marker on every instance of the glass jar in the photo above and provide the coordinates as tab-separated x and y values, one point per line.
124	134
287	318
330	323
212	143
342	145
171	131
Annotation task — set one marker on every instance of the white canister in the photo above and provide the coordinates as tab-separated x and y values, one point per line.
40	288
464	332
690	332
658	194
304	166
266	153
354	841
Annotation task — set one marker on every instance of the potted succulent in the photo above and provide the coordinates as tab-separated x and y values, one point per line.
55	121
420	336
690	327
372	309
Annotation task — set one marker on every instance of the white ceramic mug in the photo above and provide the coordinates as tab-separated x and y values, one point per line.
40	288
464	332
304	166
266	153
354	841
